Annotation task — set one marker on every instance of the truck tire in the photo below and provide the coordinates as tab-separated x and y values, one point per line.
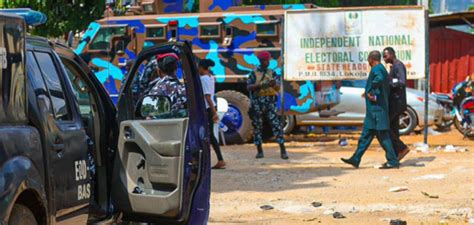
21	215
289	124
236	122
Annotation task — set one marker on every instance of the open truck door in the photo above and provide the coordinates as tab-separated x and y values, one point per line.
162	169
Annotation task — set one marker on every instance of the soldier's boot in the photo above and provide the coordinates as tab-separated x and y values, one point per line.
259	152
283	153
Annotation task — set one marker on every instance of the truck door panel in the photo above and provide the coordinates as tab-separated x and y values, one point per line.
152	152
66	144
98	112
156	166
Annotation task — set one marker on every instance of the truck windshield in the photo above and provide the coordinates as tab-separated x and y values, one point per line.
103	36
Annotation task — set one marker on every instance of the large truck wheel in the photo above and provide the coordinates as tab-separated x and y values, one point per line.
289	124
21	215
236	122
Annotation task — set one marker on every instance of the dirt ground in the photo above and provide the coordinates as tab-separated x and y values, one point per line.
315	173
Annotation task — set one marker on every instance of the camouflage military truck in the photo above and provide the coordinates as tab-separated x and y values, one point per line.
224	32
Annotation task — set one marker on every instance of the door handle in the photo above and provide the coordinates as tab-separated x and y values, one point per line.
58	145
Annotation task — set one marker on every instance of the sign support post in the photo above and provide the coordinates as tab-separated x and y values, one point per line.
427	73
282	78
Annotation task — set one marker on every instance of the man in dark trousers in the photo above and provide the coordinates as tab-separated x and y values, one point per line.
397	100
376	121
263	85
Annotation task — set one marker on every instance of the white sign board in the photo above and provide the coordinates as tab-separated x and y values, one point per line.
333	44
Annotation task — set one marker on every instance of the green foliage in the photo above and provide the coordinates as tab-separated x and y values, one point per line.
63	15
75	15
430	4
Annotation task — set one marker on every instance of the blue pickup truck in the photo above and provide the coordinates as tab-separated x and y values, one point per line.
68	155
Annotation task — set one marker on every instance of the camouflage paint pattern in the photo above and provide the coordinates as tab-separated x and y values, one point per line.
176	6
233	62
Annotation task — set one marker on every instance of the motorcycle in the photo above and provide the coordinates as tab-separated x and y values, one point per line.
463	101
459	108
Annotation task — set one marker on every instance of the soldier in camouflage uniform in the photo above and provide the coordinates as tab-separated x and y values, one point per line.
263	85
144	81
169	85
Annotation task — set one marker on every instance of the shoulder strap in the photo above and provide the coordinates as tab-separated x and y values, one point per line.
268	71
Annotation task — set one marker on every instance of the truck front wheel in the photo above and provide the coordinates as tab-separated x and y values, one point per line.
21	215
236	123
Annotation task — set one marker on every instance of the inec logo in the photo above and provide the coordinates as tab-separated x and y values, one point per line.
353	23
353	15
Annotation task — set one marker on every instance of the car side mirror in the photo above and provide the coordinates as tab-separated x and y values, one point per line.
154	106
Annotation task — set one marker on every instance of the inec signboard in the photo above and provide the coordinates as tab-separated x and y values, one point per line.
333	44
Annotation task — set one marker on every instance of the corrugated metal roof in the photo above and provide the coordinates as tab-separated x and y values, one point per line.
449	19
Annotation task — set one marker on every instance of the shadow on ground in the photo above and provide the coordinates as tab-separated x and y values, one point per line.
417	162
305	169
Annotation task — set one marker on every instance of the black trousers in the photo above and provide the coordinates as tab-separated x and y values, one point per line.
398	144
214	142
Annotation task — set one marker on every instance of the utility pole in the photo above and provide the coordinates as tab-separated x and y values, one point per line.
426	5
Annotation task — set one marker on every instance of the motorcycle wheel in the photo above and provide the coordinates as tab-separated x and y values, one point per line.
463	130
445	126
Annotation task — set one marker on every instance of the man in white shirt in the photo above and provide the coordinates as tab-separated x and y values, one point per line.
208	87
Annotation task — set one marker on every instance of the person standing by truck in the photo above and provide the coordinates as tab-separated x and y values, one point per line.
208	88
397	100
263	85
169	84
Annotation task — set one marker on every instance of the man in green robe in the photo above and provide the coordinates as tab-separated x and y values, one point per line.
376	121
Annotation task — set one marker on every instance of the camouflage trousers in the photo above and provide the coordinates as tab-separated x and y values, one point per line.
261	107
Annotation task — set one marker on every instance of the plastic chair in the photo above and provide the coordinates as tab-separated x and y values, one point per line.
222	107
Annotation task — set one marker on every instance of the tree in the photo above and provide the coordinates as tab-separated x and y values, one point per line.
63	15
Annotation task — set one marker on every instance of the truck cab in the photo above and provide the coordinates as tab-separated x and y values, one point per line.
69	156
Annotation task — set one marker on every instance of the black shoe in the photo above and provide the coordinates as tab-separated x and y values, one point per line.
259	152
351	162
387	166
283	153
